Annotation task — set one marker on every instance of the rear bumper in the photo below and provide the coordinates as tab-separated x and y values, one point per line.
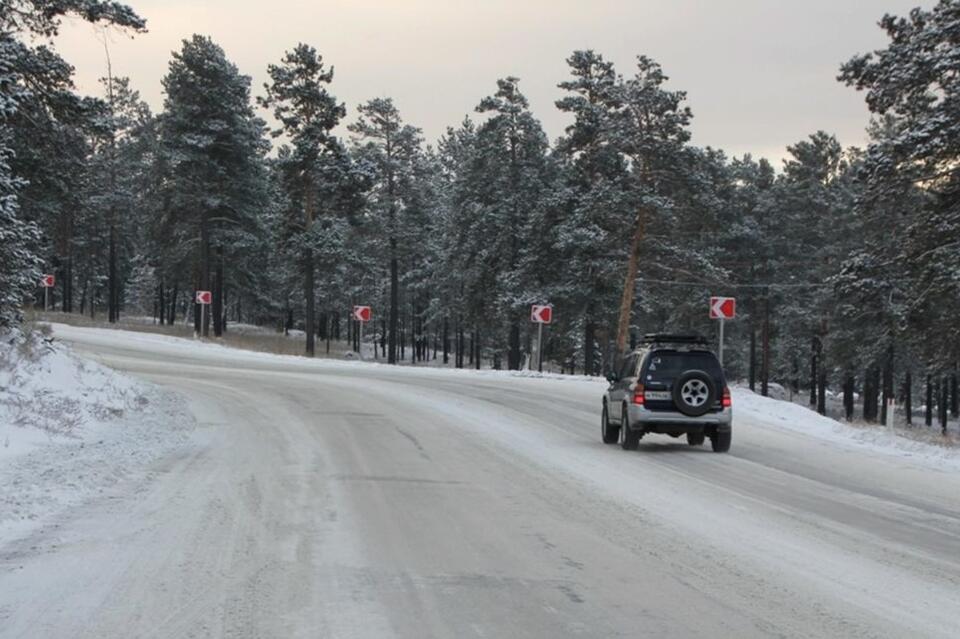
668	420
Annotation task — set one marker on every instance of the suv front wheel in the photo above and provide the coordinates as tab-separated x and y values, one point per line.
609	432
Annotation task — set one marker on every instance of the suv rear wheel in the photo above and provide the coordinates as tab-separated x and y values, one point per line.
695	439
609	432
721	442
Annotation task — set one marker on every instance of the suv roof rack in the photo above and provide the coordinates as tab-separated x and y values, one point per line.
674	338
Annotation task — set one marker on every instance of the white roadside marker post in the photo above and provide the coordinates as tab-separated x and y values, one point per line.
202	298
47	281
720	353
540	347
721	309
363	314
541	314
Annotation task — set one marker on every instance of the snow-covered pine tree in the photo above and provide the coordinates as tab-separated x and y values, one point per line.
49	145
212	146
594	206
114	209
307	112
20	64
19	262
913	86
392	148
455	254
510	172
649	126
809	231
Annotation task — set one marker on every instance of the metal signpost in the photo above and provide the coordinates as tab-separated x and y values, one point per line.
47	281
722	308
204	299
541	314
362	314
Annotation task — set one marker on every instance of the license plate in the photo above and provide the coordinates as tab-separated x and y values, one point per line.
657	396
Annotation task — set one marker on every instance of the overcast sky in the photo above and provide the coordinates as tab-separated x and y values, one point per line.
760	74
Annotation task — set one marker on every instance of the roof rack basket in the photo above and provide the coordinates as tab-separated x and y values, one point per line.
673	338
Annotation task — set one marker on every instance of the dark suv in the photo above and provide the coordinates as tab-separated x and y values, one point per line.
673	385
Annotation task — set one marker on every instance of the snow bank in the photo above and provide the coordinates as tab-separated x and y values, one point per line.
45	388
69	428
786	415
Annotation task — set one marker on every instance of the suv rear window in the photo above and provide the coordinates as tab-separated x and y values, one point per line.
665	366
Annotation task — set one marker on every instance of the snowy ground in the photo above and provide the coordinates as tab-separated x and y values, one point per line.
342	499
71	428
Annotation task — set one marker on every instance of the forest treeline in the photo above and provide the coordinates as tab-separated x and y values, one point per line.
845	261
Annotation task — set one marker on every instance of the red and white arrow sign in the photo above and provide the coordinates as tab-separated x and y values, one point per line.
47	280
204	297
362	313
541	313
723	307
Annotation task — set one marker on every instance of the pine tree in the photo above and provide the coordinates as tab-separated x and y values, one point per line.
49	78
508	183
392	148
812	234
649	126
113	200
593	204
912	86
19	263
212	150
307	113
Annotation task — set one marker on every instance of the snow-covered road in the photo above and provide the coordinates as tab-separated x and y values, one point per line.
327	499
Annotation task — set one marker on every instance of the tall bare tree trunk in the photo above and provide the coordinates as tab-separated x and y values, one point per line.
308	293
173	306
202	319
112	310
113	285
217	306
394	304
589	353
629	283
161	313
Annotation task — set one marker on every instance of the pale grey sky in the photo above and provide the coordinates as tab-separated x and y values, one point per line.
760	74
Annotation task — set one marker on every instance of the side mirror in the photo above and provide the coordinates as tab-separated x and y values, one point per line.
612	377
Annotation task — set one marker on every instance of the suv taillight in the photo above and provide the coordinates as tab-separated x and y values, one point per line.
638	394
727	401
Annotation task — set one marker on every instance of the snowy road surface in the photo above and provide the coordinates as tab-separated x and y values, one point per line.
324	499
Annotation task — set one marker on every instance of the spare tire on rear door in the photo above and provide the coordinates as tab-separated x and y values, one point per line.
694	393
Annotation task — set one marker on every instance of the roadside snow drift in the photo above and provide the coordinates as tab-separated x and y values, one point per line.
69	428
786	415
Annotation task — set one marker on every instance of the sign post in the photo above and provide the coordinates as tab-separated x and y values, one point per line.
540	314
722	308
204	298
362	314
47	281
